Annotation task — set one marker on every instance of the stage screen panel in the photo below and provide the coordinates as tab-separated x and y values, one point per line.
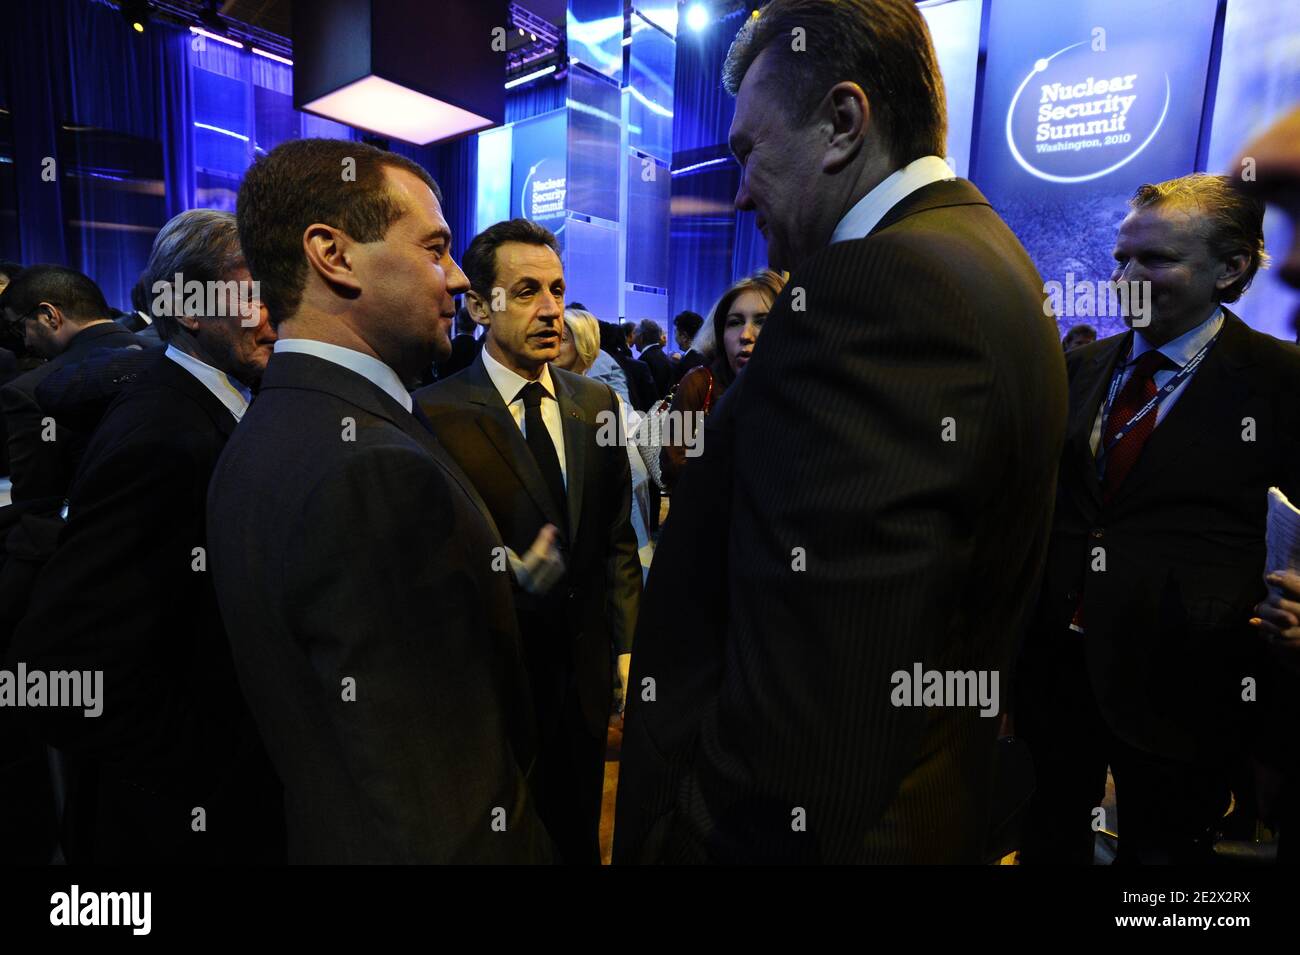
539	173
1083	103
1259	80
955	30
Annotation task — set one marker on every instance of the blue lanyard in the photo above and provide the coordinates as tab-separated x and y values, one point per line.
1169	388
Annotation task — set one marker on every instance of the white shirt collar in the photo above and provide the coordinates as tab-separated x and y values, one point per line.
871	208
1182	349
508	383
231	393
367	366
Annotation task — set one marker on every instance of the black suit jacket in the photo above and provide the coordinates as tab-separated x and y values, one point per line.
376	644
1166	632
590	615
641	386
660	367
837	536
464	349
691	359
42	470
122	594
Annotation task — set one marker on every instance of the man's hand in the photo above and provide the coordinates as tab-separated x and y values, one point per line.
541	566
1279	616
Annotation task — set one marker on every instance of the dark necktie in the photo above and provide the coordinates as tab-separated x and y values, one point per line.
1137	391
539	441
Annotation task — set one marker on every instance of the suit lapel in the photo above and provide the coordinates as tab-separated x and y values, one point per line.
293	370
500	429
574	424
1091	383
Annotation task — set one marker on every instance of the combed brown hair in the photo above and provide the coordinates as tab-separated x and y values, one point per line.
334	181
882	45
1235	221
480	262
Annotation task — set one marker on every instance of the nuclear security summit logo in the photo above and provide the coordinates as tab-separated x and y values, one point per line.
1080	113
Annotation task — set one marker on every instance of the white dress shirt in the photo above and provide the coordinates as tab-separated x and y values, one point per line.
367	366
509	384
892	190
1179	351
231	393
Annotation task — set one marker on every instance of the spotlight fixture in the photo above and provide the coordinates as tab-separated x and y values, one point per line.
697	16
135	12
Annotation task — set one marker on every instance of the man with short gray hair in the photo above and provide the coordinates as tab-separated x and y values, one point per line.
173	770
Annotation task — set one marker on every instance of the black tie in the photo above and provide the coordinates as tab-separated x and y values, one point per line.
539	441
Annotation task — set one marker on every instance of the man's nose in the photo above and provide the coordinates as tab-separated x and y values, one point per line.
743	201
457	282
549	305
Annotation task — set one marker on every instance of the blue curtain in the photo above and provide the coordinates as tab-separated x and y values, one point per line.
712	244
533	99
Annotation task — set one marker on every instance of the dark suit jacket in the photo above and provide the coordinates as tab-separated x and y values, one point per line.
464	349
660	367
640	382
121	595
42	470
691	359
1166	630
591	614
836	538
376	644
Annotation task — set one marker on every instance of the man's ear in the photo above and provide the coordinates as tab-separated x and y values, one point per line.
188	322
478	309
849	115
50	315
330	255
1233	268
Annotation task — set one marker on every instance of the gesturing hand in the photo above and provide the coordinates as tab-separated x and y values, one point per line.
542	565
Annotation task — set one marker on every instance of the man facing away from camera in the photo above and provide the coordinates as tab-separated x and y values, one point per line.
875	489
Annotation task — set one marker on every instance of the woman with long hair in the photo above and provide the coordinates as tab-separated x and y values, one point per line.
735	324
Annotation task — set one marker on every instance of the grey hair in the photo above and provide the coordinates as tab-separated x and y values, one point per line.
201	245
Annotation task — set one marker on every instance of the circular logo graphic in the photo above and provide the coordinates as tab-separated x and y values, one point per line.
1081	114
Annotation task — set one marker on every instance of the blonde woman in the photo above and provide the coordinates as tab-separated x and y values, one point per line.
580	353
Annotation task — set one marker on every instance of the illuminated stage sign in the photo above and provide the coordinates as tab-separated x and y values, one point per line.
1072	121
1082	103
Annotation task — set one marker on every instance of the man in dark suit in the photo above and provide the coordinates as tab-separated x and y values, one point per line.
64	318
1141	657
640	382
361	577
649	338
874	493
686	326
529	435
173	770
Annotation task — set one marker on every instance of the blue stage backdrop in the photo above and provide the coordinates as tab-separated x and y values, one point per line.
1082	104
1259	79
